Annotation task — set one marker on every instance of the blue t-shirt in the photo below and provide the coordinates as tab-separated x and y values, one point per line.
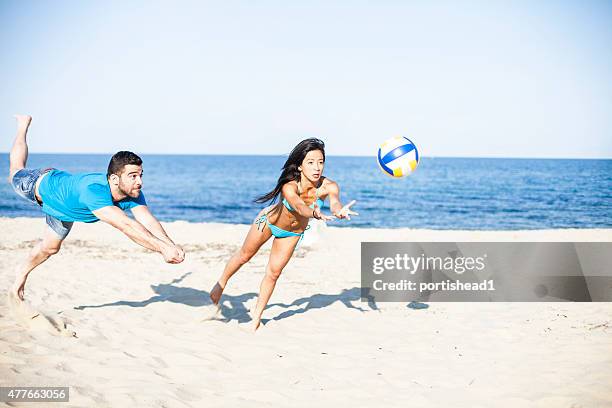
73	197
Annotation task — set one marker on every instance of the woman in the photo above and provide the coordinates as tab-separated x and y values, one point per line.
303	189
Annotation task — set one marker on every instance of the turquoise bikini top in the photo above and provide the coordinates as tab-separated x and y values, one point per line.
318	201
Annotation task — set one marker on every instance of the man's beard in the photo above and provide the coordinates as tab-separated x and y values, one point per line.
126	192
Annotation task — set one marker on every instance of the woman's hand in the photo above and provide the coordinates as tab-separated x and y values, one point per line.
346	212
316	213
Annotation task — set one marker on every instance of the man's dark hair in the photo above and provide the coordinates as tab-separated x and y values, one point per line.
120	160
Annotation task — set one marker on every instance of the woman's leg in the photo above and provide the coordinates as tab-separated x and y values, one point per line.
255	238
282	250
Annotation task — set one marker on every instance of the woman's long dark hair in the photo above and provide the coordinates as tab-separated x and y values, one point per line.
290	168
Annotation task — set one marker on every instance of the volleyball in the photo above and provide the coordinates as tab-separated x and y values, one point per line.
398	157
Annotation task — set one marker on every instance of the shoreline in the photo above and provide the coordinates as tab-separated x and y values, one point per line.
604	233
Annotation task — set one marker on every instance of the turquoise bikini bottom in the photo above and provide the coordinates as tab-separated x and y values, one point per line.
276	231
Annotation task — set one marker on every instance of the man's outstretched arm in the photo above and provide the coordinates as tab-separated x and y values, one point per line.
148	220
138	233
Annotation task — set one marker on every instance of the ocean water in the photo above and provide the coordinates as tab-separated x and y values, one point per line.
444	193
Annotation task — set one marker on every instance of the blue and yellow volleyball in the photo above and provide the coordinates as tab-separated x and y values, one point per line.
398	157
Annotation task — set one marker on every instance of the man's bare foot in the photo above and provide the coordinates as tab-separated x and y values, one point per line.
18	289
23	121
215	293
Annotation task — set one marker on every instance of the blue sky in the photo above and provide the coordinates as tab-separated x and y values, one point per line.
460	78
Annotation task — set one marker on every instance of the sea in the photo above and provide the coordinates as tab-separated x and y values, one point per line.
443	193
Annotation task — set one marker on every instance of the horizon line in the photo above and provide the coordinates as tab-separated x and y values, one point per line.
329	155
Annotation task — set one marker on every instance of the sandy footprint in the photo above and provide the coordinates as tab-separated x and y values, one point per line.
35	320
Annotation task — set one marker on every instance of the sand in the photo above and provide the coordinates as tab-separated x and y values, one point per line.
121	328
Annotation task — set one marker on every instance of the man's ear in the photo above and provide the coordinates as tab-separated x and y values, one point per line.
113	179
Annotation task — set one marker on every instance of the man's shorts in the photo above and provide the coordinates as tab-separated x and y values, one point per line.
24	184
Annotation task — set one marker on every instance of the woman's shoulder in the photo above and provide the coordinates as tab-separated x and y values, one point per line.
327	186
292	183
290	186
327	183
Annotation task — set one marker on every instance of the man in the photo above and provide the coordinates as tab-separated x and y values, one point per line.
89	197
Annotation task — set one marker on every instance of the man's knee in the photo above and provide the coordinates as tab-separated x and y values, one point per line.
13	170
11	175
49	250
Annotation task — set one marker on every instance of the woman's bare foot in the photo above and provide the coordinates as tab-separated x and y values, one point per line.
255	316
23	121
215	293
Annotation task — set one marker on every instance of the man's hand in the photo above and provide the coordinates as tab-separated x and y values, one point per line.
172	254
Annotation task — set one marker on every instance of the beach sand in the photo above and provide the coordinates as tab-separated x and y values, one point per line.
122	328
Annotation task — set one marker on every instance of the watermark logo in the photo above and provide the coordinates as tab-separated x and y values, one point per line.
486	271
